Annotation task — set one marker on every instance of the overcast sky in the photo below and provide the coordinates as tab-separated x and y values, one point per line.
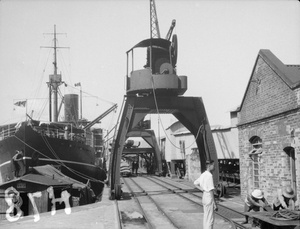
218	44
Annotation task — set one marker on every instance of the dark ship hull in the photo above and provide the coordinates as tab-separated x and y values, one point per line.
44	144
69	146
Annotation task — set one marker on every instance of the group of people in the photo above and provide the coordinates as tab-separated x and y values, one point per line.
284	199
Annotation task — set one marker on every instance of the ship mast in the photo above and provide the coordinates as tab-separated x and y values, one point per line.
54	82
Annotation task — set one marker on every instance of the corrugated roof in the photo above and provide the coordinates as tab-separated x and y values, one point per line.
50	171
38	179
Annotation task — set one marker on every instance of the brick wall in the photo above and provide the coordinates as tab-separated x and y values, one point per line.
266	95
274	165
270	110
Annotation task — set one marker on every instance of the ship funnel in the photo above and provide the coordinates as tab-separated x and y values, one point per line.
71	108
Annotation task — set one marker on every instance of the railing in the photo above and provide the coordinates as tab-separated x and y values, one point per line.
11	129
7	131
62	134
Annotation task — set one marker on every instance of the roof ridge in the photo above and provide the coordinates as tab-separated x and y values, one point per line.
287	74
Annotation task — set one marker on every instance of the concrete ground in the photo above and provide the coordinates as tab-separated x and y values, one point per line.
99	215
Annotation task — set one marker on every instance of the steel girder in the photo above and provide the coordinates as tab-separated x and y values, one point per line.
190	111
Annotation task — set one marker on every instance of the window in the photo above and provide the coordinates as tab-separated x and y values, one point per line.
290	151
255	154
182	147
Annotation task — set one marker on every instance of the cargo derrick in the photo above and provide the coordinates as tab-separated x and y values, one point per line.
157	89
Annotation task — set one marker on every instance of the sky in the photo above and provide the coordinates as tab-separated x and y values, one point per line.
218	43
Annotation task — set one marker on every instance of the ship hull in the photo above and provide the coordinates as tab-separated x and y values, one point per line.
73	157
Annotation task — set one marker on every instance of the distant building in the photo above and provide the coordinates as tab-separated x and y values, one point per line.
269	127
180	151
226	142
176	148
226	138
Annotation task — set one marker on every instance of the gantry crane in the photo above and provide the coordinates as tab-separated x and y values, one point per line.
157	89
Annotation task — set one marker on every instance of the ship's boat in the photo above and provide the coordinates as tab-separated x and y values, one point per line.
69	145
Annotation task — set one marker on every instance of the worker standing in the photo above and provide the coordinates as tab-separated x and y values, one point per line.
135	166
206	184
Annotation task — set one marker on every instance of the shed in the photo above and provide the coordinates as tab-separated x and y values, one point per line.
80	192
31	183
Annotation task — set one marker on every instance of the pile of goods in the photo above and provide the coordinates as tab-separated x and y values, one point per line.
286	214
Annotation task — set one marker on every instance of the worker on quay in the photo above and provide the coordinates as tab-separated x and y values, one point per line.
206	184
135	166
285	199
255	201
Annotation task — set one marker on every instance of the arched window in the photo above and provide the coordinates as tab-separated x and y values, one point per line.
290	151
254	154
256	142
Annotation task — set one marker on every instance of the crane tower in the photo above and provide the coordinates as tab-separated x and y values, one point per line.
155	33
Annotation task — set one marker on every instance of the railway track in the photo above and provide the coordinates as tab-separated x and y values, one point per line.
156	202
223	211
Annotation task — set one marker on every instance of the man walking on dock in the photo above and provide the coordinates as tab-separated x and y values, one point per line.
206	184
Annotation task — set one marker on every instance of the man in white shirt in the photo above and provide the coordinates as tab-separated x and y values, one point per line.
206	184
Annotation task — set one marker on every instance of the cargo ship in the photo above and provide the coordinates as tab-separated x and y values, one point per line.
71	145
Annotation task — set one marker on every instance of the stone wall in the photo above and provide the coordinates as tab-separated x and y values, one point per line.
193	168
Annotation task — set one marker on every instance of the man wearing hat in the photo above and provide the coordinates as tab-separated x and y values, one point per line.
206	184
252	202
284	199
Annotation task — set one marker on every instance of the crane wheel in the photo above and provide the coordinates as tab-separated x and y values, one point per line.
174	50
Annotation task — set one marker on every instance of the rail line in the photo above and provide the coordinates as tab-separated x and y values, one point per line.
145	195
154	216
119	223
223	211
